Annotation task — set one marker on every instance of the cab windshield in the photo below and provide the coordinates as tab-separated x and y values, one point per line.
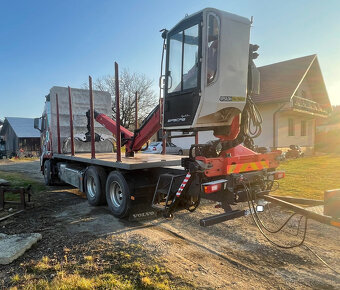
183	60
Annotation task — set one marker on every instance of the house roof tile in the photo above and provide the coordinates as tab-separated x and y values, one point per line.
280	80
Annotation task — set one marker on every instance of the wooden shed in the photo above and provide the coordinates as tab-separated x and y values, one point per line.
21	139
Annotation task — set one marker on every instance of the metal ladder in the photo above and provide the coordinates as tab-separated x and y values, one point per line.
165	192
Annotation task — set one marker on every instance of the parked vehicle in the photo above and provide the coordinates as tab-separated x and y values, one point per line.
294	152
157	147
262	150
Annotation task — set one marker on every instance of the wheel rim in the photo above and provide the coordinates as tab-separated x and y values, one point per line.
116	194
91	187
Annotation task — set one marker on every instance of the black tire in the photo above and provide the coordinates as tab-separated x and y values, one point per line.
47	173
94	184
118	194
180	152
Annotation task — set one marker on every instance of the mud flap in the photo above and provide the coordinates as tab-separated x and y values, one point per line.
143	212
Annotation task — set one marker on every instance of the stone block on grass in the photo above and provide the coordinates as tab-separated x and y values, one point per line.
13	246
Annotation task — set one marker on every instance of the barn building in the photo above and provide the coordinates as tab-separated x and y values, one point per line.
21	139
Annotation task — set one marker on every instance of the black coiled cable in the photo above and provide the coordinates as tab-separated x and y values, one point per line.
251	119
261	226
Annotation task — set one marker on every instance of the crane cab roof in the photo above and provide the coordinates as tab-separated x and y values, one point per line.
225	14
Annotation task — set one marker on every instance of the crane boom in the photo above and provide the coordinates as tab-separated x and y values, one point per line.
133	141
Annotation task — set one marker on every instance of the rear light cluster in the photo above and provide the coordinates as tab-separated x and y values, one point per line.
279	175
214	186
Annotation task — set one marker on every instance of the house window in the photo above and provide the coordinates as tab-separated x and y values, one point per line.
303	128
291	127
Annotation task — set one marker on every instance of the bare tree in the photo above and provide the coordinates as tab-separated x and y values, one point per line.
129	84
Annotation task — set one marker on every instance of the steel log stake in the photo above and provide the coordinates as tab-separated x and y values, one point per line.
58	124
71	120
118	137
93	149
136	111
164	142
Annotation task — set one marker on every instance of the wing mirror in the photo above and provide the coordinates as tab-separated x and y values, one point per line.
37	123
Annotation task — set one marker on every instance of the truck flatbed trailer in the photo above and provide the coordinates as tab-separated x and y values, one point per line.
139	161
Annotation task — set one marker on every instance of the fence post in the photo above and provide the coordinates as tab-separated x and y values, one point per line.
22	198
2	198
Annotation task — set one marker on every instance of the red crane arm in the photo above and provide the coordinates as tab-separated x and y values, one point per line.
134	141
150	127
111	125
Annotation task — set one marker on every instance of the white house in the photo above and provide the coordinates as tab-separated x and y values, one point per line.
293	95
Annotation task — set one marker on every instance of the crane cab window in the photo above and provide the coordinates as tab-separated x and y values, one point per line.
190	59
175	62
213	44
183	60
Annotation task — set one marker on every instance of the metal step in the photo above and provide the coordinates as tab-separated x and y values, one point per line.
163	191
170	175
158	207
162	198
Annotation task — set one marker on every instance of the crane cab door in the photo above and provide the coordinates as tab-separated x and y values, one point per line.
183	73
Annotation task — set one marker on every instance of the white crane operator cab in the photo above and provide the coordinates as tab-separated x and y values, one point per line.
206	74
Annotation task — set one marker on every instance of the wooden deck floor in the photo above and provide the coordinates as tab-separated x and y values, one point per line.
139	161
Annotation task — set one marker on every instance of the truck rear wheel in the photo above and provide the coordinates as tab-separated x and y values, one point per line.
95	179
118	194
47	173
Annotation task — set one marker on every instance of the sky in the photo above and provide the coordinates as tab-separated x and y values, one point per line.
60	43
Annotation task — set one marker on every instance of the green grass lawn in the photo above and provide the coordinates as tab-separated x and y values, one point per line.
20	180
102	265
309	177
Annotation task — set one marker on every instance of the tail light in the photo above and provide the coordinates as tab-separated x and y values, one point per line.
154	148
213	186
279	174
